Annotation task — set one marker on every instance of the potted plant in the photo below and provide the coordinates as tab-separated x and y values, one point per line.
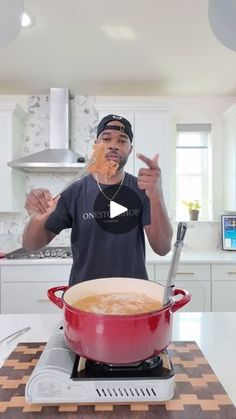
193	208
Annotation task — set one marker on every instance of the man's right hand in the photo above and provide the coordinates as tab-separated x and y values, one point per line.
40	203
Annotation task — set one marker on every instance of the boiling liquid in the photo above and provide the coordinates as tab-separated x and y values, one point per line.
118	303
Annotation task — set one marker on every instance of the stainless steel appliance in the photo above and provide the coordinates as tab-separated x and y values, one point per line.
59	156
48	252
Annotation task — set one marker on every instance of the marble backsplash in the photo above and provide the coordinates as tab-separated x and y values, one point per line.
200	236
83	122
84	118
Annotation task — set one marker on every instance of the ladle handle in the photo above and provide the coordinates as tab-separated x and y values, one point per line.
83	172
181	231
170	282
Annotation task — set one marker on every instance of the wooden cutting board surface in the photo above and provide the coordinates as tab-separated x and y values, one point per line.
198	392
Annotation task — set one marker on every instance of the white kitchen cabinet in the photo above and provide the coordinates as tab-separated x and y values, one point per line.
195	278
150	267
152	134
24	287
12	117
229	133
224	287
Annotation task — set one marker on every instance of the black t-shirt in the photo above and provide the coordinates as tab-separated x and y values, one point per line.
98	253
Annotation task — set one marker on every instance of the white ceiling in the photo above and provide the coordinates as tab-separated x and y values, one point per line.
169	50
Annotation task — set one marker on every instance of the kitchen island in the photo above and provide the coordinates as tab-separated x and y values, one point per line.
214	333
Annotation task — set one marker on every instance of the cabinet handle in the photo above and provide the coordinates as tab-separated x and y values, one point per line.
231	273
43	300
185	273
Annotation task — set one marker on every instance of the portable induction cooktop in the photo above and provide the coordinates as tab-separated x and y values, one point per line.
61	376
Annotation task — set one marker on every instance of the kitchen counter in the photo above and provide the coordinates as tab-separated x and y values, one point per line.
187	256
45	261
215	334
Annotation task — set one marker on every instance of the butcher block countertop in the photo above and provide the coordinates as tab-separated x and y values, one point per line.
214	334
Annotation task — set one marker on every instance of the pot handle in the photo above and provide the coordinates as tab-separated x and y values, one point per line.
58	301
183	301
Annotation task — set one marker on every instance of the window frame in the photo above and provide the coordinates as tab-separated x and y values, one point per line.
205	173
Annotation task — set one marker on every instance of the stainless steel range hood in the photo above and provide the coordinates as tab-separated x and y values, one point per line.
58	157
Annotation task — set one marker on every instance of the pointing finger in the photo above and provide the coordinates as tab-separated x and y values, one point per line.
152	163
155	159
56	199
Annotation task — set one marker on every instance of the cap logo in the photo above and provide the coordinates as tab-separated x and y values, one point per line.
117	117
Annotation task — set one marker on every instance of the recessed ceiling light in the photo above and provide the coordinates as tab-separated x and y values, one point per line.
27	19
123	33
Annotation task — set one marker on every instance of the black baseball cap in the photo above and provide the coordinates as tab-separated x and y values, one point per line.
127	128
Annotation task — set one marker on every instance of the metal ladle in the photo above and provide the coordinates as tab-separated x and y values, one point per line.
170	282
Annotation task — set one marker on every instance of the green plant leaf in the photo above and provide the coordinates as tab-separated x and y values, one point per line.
192	205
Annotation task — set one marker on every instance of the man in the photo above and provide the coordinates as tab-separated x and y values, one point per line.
103	246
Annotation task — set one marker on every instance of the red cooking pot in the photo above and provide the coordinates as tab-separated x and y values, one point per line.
111	338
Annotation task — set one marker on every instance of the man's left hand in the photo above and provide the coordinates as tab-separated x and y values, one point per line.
149	179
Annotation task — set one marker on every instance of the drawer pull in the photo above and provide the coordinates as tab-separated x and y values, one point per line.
185	273
43	300
231	273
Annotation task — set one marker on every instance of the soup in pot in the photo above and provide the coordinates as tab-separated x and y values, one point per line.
118	303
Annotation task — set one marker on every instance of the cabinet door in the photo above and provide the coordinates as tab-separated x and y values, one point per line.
152	136
224	287
27	297
150	271
37	272
229	166
24	287
224	296
229	125
11	140
193	278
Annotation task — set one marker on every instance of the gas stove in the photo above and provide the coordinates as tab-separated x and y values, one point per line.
61	376
48	252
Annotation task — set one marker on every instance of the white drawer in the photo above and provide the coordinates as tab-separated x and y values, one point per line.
185	272
27	297
224	271
33	273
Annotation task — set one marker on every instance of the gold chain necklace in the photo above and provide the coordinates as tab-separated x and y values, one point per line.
110	199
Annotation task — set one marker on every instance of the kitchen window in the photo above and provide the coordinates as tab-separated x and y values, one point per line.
192	168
